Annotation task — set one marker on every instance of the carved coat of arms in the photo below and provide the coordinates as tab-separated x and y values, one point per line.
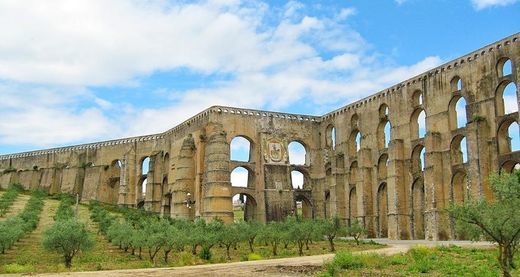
274	151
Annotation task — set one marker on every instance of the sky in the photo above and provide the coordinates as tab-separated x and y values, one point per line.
74	72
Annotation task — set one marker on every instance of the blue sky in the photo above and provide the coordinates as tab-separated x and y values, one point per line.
76	71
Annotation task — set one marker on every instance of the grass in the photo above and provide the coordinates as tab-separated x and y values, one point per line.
28	256
419	261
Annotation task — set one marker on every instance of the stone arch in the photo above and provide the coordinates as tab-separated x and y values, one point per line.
167	197
458	194
242	176
457	112
384	133
331	136
241	148
353	173
417	98
382	210
304	204
418	124
300	179
354	142
354	121
456	84
382	167
418	209
297	151
418	163
458	188
504	67
510	166
327	204
508	136
352	205
110	192
166	163
506	98
459	150
384	111
246	203
145	164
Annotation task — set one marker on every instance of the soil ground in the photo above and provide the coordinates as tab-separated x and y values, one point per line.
297	266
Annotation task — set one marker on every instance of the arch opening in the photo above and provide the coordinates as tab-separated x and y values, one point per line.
418	207
508	137
297	180
504	67
352	205
240	149
382	210
506	98
418	124
241	177
297	153
303	207
244	207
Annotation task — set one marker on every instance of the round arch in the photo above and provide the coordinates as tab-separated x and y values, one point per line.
382	210
507	92
241	148
418	209
297	151
245	207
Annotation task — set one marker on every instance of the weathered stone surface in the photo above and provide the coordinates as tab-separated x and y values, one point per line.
397	188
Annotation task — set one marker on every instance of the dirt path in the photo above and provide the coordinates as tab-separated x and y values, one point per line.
18	205
264	267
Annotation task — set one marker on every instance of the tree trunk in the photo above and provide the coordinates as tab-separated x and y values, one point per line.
227	251
503	259
300	247
194	249
68	261
275	248
331	244
251	242
166	252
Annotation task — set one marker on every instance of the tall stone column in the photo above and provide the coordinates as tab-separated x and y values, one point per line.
433	188
184	181
217	195
397	198
364	190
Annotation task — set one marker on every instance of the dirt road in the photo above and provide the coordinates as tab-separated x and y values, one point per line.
297	266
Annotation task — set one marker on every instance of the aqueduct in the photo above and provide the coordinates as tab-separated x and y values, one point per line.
393	160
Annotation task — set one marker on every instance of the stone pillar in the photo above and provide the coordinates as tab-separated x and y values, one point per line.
433	188
184	181
341	190
217	195
364	190
397	198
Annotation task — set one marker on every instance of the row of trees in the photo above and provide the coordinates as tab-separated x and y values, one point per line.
67	236
15	228
7	199
137	231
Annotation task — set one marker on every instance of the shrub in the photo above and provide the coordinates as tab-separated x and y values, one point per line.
254	257
205	253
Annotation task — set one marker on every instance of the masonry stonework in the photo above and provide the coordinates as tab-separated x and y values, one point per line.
396	181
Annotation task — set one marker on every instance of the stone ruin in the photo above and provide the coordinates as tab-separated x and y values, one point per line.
393	160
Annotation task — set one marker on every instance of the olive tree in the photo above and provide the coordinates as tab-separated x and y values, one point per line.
67	237
497	220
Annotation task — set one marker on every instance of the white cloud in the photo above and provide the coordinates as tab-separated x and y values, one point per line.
400	2
58	49
482	4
